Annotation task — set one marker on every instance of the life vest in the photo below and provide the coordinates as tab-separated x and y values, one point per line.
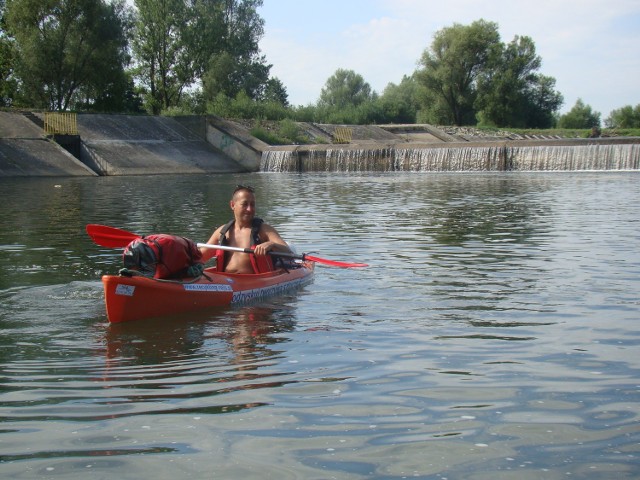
260	263
163	256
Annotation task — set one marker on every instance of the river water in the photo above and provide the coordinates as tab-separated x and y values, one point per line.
494	335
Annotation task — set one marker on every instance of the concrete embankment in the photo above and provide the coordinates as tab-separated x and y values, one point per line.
150	145
132	145
25	151
125	145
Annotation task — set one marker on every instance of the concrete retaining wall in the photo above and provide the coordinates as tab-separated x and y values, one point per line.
120	145
26	152
235	142
149	145
139	145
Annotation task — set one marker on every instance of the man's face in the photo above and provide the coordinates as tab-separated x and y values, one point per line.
244	205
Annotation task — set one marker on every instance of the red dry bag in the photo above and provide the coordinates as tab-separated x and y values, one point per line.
163	256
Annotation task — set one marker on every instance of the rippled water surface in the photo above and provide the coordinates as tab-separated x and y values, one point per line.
494	335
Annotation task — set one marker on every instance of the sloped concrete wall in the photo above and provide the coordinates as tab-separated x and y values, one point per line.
118	145
235	142
25	151
138	145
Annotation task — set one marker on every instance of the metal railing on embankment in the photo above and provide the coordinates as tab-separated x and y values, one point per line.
60	123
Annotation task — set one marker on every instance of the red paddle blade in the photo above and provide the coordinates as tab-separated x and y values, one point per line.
333	263
110	237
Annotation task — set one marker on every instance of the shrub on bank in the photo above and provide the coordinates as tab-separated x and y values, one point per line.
285	132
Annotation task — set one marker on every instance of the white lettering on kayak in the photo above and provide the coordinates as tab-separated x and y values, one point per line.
273	290
207	287
126	290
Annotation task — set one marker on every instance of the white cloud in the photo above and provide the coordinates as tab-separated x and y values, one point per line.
588	46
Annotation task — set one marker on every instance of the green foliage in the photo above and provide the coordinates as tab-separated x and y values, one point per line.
267	136
203	57
179	43
244	107
451	67
275	91
191	103
306	113
160	46
543	103
369	112
622	132
8	82
399	102
345	88
289	129
580	116
226	40
469	76
286	133
625	117
68	51
229	76
510	93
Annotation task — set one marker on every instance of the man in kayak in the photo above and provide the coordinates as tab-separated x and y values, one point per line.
244	231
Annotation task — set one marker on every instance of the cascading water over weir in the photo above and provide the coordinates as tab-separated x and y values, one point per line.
565	155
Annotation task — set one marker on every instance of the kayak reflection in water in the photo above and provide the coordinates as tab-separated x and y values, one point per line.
244	231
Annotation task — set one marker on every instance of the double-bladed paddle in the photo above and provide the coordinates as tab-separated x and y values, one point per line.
112	237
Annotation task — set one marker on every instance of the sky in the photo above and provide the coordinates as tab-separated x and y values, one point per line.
591	47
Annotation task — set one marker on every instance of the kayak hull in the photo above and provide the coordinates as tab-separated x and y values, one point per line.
138	297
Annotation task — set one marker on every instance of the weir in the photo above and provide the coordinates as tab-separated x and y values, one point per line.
99	144
592	154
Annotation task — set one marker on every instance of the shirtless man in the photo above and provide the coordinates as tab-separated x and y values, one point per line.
243	205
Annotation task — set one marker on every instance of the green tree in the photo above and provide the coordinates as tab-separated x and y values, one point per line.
229	76
164	64
543	102
502	89
67	49
625	117
275	91
512	94
345	88
580	116
219	77
8	82
451	67
227	48
181	43
399	102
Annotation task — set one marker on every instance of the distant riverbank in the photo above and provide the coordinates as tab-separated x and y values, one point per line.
111	145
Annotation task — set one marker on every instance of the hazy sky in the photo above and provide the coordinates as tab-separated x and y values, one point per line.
591	47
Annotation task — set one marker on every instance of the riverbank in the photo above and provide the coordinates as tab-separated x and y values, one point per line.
111	145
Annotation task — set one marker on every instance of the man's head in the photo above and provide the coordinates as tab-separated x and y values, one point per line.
243	204
242	188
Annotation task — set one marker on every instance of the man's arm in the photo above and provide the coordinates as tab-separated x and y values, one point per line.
271	240
207	253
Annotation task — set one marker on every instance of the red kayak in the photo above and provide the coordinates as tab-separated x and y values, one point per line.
138	297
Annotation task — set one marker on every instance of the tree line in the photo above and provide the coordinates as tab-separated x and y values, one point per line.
203	57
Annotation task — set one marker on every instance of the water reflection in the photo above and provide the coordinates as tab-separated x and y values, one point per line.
198	355
247	332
